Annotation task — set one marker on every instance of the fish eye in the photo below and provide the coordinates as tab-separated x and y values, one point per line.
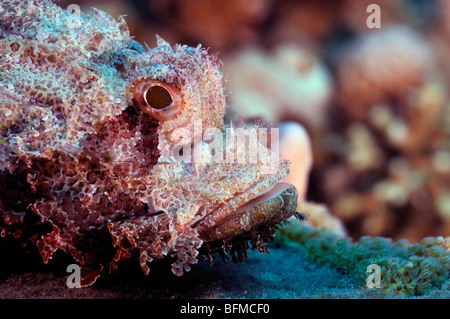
158	99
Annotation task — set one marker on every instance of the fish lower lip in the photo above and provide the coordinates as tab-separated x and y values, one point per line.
270	209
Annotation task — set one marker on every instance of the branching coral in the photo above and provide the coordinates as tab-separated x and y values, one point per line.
406	269
384	163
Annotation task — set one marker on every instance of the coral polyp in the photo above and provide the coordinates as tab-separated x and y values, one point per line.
405	269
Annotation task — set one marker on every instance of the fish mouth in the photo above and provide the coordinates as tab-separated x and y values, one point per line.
269	209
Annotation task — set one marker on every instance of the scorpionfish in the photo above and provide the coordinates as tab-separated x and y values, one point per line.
110	149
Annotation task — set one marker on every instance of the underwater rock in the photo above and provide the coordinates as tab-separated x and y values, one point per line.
319	216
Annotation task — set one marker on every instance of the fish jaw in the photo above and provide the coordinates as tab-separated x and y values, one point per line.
263	205
254	198
270	208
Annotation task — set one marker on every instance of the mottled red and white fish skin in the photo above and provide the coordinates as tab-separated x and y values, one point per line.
90	121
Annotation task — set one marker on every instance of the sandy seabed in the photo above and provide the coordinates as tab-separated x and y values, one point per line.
282	274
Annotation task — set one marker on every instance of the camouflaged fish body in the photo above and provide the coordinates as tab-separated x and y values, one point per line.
90	121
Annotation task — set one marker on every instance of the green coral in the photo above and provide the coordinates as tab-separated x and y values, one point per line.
406	269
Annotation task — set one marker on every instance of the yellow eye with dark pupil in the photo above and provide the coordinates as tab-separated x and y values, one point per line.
158	97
